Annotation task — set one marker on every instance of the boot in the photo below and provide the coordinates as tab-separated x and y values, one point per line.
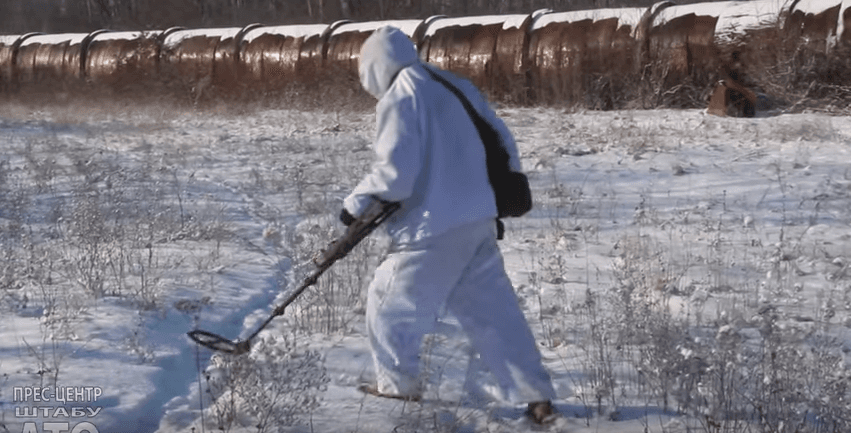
541	412
371	389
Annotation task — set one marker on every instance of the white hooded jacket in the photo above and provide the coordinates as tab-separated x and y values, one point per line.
429	155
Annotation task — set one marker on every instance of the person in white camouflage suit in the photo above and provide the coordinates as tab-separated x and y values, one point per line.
443	254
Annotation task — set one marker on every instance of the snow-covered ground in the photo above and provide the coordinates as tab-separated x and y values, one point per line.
680	271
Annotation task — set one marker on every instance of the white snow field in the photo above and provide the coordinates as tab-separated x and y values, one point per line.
681	272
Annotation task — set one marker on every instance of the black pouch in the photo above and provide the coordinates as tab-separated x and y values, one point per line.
513	195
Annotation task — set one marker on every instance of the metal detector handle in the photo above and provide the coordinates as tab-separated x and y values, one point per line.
373	216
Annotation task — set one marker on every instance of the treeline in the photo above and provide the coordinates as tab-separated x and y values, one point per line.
58	16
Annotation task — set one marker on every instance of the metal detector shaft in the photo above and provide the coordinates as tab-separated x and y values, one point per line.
360	229
279	310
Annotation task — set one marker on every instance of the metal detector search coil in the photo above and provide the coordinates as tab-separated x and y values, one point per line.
218	343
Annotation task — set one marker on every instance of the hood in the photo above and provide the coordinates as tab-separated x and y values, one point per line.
386	52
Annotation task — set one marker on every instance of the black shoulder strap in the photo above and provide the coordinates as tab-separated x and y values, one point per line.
496	155
464	101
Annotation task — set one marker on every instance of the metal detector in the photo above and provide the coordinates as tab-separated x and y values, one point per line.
356	232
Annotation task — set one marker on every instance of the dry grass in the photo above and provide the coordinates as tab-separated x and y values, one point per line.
725	350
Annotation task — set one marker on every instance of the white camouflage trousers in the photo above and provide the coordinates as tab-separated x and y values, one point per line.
461	271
